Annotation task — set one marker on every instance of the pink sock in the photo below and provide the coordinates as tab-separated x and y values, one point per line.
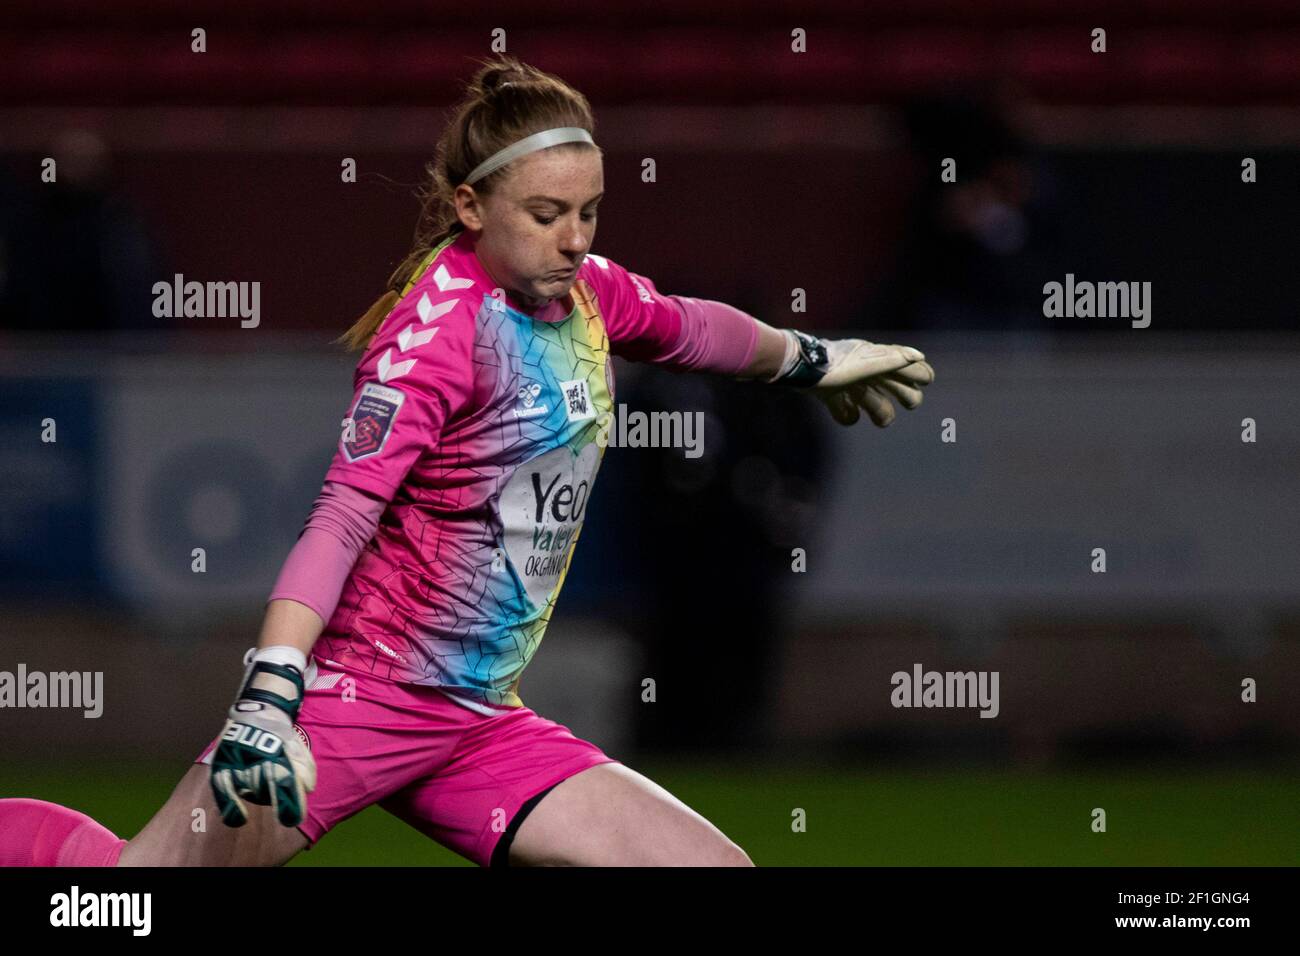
37	833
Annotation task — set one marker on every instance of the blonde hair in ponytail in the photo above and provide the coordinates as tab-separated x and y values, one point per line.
505	101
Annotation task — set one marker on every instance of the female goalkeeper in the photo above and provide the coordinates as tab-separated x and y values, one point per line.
388	664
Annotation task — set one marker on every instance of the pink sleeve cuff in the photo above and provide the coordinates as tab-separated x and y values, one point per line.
715	337
342	520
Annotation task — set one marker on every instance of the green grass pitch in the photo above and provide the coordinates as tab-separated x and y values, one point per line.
854	816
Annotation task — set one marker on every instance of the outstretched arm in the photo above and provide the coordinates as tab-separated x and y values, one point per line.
769	353
703	335
846	374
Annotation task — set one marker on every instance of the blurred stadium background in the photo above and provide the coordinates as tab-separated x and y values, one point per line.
775	171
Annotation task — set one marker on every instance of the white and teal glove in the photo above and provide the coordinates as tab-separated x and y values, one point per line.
853	374
260	758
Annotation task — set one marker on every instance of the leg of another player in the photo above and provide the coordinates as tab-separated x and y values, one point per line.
169	839
610	815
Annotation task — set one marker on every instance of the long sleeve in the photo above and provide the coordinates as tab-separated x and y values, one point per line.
416	374
715	337
679	332
342	520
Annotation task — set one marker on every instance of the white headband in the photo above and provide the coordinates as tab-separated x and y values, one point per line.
529	144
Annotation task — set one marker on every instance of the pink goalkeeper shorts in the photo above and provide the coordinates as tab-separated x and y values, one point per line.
459	777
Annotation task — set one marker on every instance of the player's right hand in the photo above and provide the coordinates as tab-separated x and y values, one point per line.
259	758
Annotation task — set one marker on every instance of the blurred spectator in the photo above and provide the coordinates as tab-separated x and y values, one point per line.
713	537
972	256
76	256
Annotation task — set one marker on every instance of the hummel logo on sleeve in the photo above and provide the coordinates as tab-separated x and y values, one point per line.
641	290
428	311
409	338
388	369
445	280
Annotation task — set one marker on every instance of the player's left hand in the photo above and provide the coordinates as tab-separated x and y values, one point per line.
851	375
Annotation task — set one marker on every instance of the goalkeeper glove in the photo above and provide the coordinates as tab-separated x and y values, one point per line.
852	374
260	757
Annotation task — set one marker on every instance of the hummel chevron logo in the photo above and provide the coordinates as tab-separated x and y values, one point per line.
408	338
428	311
389	371
444	280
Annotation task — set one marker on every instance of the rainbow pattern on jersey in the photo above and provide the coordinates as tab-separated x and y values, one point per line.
459	584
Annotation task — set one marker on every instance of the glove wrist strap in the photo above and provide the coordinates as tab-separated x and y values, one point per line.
278	654
280	685
806	360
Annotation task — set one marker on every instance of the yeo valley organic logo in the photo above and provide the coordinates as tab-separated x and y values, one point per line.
541	509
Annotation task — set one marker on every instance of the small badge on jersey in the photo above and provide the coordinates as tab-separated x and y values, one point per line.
372	420
577	403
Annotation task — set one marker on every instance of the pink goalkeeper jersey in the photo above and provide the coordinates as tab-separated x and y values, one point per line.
479	422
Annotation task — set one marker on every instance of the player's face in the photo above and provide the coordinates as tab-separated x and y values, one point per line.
538	224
